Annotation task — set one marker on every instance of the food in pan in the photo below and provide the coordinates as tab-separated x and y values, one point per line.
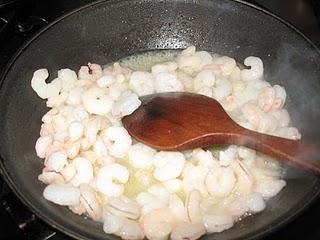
94	167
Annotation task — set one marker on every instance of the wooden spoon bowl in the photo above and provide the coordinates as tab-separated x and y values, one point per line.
178	121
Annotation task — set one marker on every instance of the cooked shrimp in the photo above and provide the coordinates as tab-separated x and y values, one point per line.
205	78
110	179
245	180
62	194
43	89
141	156
106	81
68	79
117	140
167	82
131	230
192	206
194	178
226	64
164	67
256	70
123	207
176	206
89	201
51	177
141	83
190	231
168	165
222	88
158	223
127	103
56	161
111	223
217	223
91	72
149	202
84	171
220	181
42	146
75	130
96	101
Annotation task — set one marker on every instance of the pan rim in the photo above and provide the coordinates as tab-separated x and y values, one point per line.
9	180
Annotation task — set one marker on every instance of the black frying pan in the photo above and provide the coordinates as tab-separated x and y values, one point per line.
108	30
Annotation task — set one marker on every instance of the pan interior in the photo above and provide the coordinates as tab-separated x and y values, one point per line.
110	30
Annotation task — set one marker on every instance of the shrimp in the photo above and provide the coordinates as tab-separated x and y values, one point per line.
288	132
160	193
266	98
68	172
96	101
56	161
131	230
220	181
176	206
164	67
252	113
205	78
149	202
43	89
280	97
51	177
282	117
68	79
117	140
75	130
141	156
84	171
226	64
93	126
245	180
107	176
42	146
217	223
190	231
74	96
191	61
222	88
269	188
168	165
255	202
186	80
111	223
123	207
62	194
247	156
126	104
228	156
106	81
80	113
256	70
206	91
100	149
192	206
91	72
167	82
89	201
194	178
173	185
158	223
141	83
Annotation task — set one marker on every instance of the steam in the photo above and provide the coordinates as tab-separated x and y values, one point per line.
298	70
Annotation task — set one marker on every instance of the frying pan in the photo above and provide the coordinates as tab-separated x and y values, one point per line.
105	31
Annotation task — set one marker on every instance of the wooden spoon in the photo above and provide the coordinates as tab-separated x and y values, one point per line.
179	121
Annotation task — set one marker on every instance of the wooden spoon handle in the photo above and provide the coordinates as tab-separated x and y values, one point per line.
292	152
